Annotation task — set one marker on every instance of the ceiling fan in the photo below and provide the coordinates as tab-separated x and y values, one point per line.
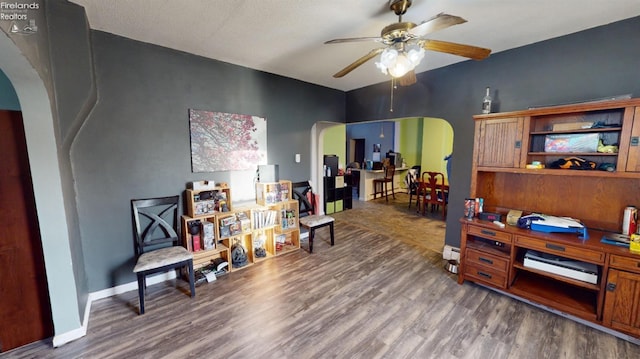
405	44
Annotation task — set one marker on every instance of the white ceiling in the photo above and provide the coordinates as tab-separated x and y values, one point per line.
286	37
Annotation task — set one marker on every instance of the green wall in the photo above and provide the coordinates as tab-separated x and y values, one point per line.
410	136
437	142
335	143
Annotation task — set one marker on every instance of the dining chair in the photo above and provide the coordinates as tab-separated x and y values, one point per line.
157	244
413	185
436	192
308	216
380	184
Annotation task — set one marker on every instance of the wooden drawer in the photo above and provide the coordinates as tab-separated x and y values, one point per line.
489	233
483	274
625	263
563	250
487	260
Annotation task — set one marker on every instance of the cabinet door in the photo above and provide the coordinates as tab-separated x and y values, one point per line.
633	157
622	302
499	142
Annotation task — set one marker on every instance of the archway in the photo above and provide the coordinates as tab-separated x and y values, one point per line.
47	188
438	133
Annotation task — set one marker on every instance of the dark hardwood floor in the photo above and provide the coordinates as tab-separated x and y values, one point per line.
368	296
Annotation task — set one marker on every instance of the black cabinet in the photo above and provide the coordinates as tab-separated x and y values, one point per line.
337	194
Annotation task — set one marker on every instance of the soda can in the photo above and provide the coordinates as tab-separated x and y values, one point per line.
469	208
629	220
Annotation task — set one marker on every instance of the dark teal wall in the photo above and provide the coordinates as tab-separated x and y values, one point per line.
135	142
8	97
600	62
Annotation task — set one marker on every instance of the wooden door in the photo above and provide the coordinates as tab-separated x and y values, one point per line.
359	150
499	142
622	302
25	310
633	156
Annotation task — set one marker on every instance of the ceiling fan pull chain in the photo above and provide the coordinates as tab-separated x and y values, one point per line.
392	88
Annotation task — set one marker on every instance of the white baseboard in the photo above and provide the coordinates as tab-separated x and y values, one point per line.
64	338
127	287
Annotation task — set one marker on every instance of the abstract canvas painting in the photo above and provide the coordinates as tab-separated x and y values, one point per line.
226	142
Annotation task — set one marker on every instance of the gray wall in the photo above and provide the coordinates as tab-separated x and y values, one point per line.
135	142
595	63
75	96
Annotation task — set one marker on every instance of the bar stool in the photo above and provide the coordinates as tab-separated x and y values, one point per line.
381	183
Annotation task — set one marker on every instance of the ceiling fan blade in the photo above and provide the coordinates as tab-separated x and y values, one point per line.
358	62
436	23
472	52
354	39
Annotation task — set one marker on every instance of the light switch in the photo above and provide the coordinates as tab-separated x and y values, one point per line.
297	158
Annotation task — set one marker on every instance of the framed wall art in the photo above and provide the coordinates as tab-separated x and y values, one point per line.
223	141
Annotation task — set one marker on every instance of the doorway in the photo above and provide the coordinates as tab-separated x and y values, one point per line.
25	313
356	150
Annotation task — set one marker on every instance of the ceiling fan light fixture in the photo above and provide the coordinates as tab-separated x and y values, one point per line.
415	54
398	62
401	67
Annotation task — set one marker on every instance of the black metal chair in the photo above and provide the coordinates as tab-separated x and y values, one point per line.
309	218
156	241
413	185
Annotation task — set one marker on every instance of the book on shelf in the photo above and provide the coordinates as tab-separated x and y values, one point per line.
245	223
617	239
235	228
208	236
225	231
196	242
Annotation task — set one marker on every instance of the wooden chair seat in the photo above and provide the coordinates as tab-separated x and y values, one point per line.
162	257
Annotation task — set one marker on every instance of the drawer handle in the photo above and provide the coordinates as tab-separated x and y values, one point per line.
490	261
489	233
555	247
487	275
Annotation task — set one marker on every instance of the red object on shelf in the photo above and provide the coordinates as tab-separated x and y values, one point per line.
196	243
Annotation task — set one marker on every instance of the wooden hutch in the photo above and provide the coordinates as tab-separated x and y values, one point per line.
493	256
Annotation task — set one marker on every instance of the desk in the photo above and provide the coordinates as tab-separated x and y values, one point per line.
365	186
